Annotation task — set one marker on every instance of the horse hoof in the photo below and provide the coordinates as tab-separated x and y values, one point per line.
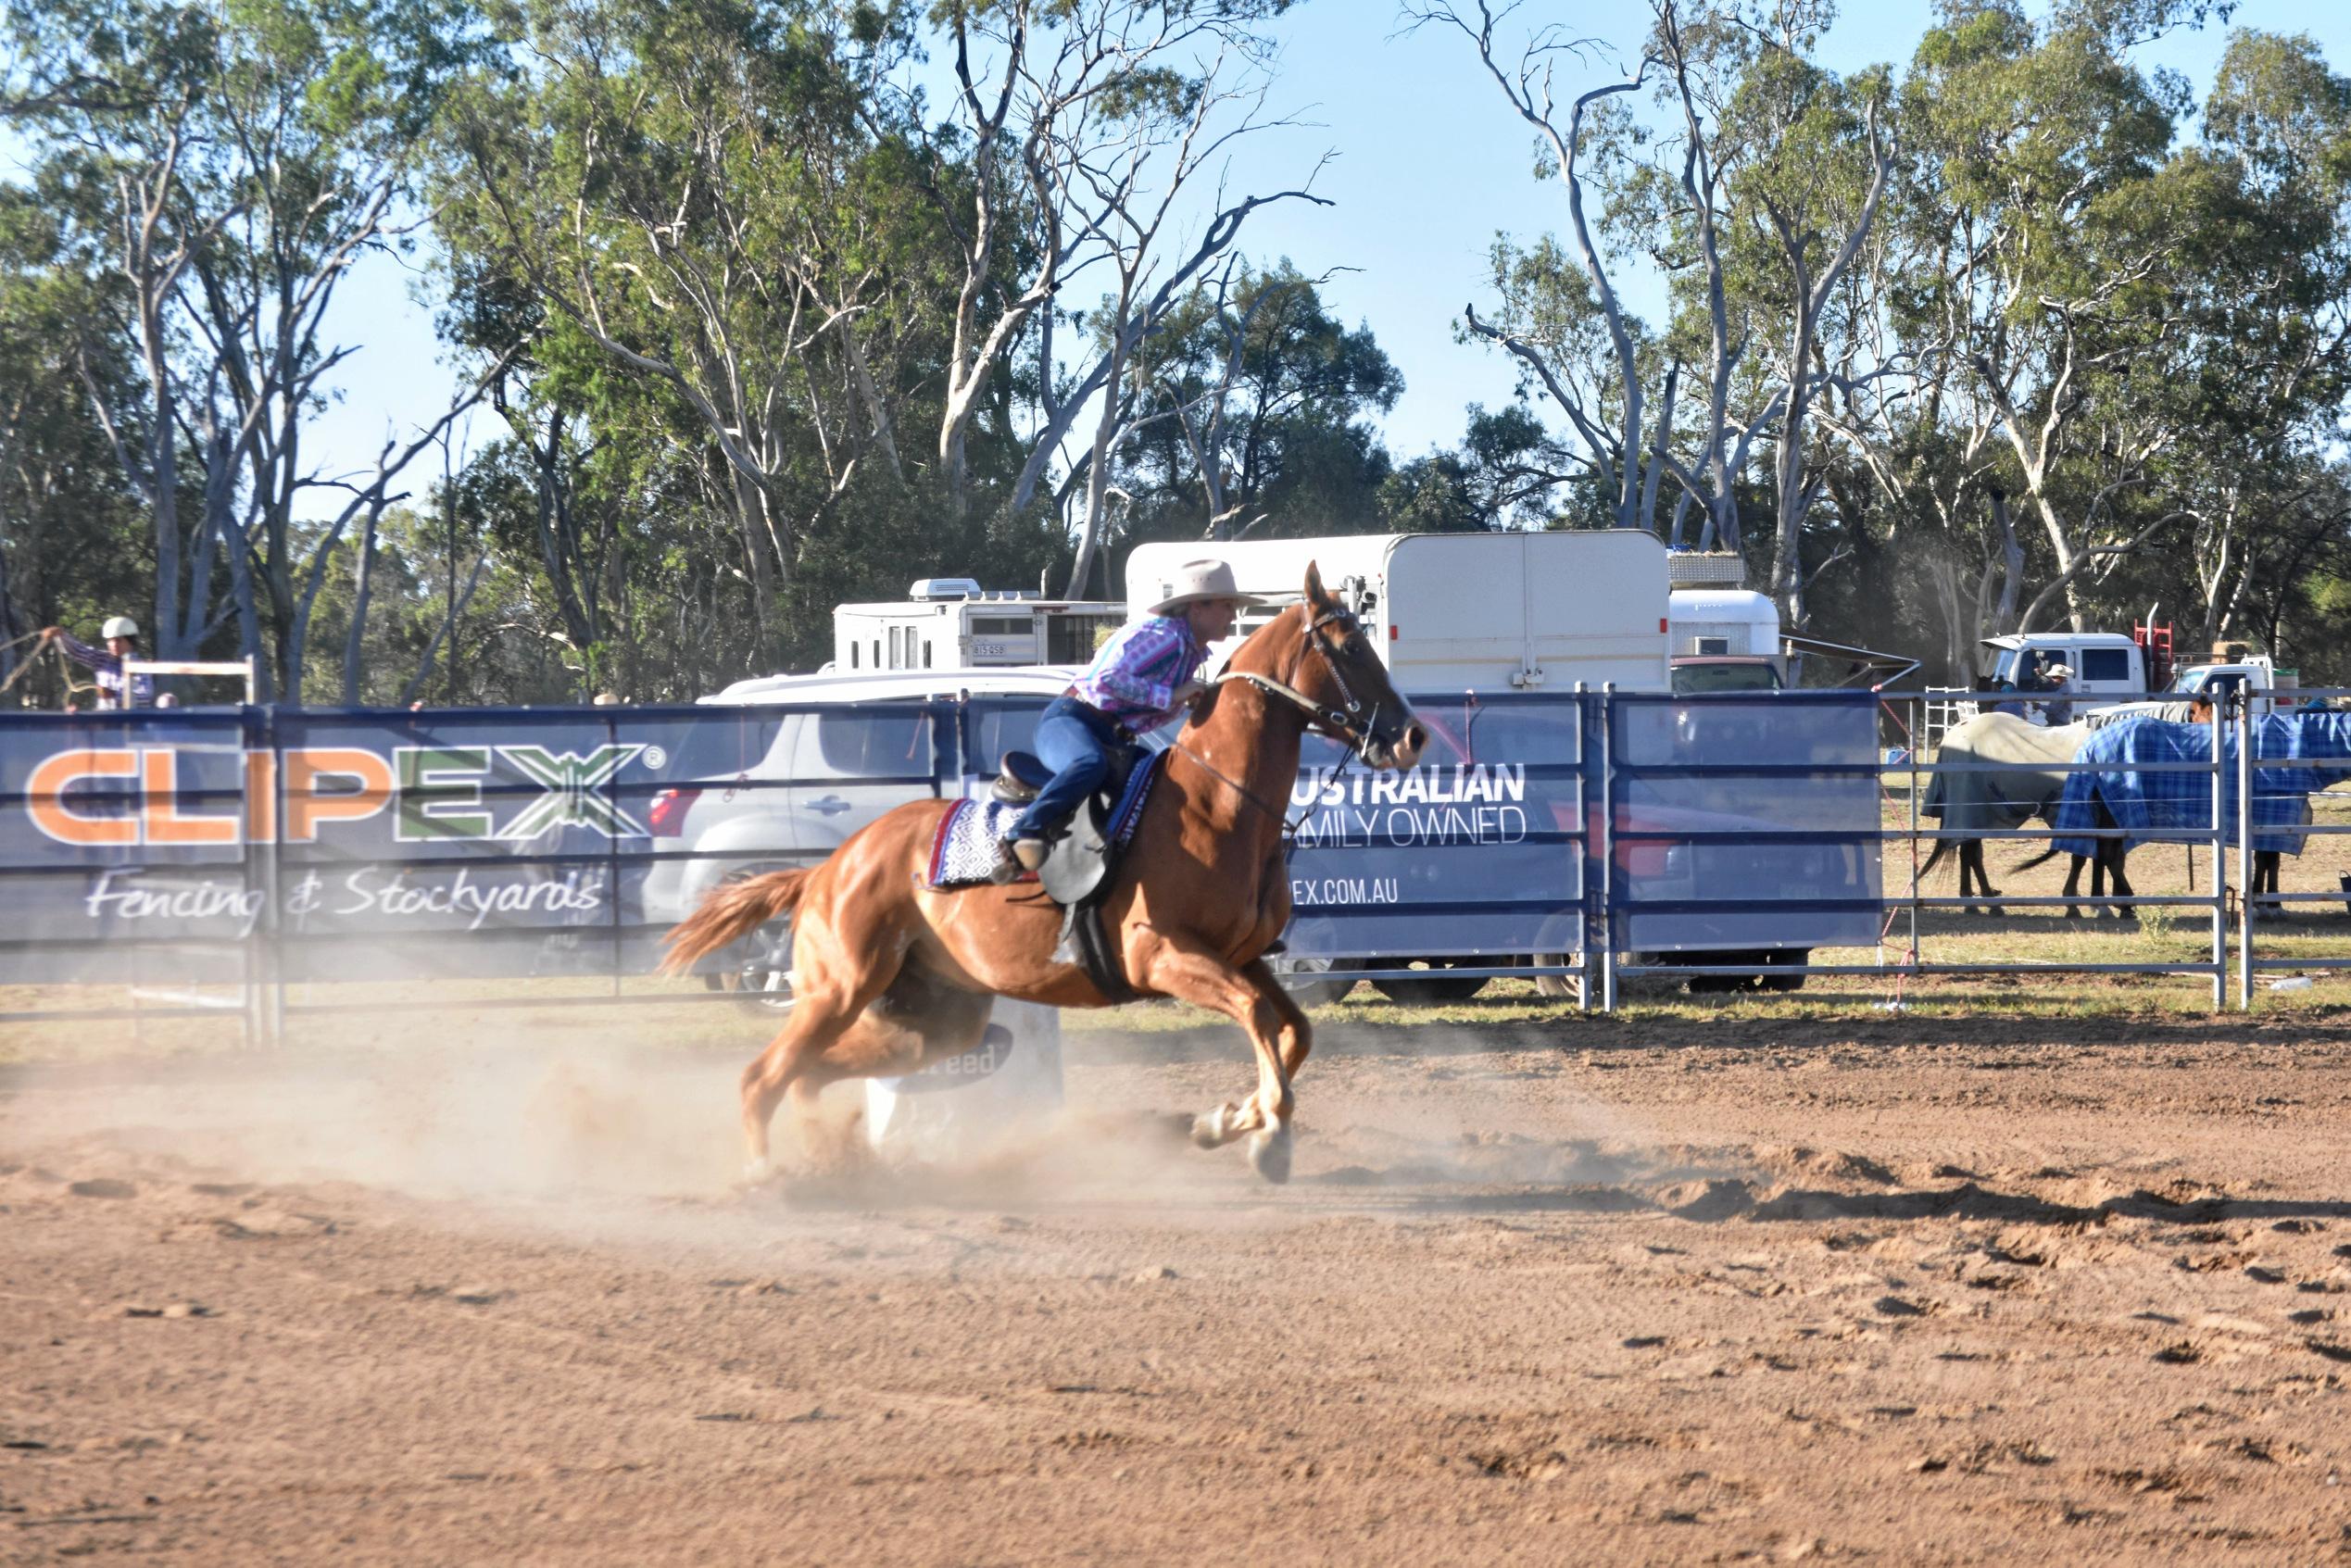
1214	1129
756	1173
1269	1153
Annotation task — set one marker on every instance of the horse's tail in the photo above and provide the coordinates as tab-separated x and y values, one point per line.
1943	847
729	910
2041	859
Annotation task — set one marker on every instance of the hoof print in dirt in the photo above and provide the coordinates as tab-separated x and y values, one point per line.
103	1187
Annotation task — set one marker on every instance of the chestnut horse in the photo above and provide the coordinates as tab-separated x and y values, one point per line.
889	974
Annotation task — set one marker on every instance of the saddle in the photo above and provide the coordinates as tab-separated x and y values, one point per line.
1079	862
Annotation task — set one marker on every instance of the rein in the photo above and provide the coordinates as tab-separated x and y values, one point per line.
1288	825
1327	717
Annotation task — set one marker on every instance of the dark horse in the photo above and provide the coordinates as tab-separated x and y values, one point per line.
890	975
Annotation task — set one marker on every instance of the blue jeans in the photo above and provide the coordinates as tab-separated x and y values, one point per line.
1075	741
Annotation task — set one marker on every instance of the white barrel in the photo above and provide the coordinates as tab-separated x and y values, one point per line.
1001	1093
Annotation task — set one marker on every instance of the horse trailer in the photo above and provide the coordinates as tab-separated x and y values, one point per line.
953	624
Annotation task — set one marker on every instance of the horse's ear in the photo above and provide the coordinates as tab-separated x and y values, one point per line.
1314	594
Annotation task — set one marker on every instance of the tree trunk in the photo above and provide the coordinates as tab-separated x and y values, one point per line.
2011	566
355	639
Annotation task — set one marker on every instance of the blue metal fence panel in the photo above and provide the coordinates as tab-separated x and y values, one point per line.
1745	821
321	844
1477	851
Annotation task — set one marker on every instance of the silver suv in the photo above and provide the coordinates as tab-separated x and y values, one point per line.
789	788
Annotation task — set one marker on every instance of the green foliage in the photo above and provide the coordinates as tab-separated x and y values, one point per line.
717	250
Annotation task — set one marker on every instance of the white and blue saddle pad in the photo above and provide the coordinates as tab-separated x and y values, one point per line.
965	850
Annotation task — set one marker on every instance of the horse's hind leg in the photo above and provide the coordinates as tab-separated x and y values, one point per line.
915	1022
832	989
2115	856
819	1017
1971	854
2265	880
2073	884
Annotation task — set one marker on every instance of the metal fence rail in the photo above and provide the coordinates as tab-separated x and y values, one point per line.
1922	708
258	768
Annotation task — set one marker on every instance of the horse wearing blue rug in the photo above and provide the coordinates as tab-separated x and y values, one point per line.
2149	784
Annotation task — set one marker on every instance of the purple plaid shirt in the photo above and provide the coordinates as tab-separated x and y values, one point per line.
1135	676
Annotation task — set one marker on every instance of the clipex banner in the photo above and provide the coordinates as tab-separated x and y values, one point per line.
338	844
376	844
432	792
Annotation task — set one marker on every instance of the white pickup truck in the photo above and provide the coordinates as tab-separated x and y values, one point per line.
2111	669
2252	672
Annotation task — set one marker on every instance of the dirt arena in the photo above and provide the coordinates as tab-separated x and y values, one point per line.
1908	1291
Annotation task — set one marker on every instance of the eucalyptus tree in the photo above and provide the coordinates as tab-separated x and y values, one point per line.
2042	147
71	535
692	195
236	163
1076	131
1804	161
1755	190
1257	387
2264	298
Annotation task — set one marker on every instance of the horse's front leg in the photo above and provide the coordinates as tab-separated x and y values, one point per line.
1278	1032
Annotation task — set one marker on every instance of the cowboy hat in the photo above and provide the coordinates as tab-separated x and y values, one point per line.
1195	581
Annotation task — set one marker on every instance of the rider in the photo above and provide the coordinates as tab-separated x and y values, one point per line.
122	637
1144	676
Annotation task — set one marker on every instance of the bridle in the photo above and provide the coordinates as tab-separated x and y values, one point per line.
1352	727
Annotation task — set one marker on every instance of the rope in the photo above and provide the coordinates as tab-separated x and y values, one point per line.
24	665
64	665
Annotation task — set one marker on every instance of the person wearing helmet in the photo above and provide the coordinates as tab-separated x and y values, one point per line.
1144	676
120	635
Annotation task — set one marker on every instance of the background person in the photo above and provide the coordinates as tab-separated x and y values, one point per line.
2058	707
1144	676
122	637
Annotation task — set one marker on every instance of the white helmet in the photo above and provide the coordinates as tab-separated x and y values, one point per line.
119	626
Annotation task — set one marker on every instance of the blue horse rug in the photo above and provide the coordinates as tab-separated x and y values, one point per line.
963	852
2173	805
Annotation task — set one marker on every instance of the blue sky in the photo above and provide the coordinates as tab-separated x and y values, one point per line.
1430	164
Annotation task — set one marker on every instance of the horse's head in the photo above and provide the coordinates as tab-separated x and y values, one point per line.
1316	649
